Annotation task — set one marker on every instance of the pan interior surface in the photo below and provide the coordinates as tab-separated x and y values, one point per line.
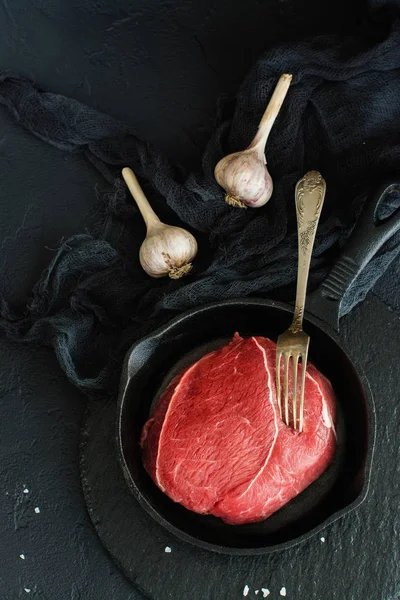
153	362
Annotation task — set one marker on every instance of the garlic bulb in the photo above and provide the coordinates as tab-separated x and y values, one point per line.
166	250
244	175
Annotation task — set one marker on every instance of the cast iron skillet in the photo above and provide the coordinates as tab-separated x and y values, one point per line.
153	361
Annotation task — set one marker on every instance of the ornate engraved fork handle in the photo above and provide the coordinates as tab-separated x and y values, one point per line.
310	194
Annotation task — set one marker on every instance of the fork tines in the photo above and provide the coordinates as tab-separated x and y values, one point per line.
295	357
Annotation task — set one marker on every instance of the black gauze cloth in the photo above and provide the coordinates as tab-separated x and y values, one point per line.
341	117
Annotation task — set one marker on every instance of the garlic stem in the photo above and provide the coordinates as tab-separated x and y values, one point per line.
271	112
148	214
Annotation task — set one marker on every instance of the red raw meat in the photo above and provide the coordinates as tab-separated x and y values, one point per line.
216	444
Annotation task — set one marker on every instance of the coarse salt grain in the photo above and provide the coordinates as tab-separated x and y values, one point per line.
283	591
167	549
37	510
27	590
246	590
322	539
26	491
256	591
22	556
265	592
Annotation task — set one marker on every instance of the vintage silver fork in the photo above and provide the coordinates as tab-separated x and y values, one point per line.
293	343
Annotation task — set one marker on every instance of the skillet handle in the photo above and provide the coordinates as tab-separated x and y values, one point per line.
367	238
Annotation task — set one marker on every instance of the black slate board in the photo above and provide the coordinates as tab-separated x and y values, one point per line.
357	558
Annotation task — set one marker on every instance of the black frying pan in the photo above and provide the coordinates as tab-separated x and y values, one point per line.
153	361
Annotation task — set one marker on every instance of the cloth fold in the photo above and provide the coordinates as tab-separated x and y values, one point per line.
341	117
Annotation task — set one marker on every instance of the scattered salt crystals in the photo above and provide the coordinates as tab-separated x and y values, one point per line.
37	510
167	549
26	491
265	592
322	539
22	556
27	590
246	590
283	591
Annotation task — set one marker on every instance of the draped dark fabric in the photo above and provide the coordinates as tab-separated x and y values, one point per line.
341	117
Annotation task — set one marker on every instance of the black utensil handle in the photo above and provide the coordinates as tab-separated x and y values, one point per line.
367	238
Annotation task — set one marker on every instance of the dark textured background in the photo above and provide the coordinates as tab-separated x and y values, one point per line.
160	65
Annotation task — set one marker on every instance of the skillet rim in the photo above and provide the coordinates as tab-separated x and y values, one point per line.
188	538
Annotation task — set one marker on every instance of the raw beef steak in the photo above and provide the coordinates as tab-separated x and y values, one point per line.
216	444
